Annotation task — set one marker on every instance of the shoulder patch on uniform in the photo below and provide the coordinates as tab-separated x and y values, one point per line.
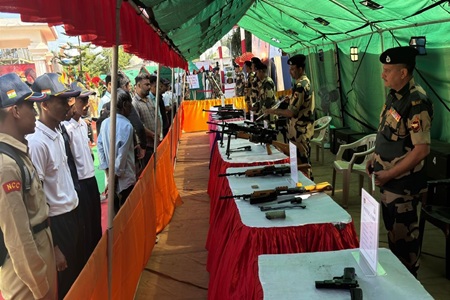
12	186
416	102
415	124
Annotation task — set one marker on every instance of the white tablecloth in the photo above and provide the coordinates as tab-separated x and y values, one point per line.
257	154
320	208
293	276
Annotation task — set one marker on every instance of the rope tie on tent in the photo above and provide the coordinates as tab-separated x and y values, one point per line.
426	8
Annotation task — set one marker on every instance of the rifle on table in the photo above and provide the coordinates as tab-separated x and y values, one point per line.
344	282
227	113
272	194
253	133
267	170
296	202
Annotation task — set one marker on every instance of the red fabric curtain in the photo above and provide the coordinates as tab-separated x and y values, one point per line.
95	22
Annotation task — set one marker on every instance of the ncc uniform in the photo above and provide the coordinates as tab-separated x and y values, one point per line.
29	271
405	121
300	126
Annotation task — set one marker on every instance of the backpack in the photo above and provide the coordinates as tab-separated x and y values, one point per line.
26	186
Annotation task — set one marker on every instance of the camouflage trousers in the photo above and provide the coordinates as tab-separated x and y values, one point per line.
401	221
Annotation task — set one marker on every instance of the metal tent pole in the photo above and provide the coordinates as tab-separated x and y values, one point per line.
157	136
112	147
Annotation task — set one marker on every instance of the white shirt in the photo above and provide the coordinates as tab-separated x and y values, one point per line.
167	97
48	155
79	143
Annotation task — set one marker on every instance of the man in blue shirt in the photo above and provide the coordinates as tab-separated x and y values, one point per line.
125	165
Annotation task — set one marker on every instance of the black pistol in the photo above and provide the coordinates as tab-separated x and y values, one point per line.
344	282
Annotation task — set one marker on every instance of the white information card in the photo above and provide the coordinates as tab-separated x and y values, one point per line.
368	240
293	161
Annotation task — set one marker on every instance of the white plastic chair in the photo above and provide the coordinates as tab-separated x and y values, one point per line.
320	127
348	167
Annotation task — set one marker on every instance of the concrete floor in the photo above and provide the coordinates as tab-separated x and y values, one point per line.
176	269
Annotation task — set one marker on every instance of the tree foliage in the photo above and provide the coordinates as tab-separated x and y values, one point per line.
87	58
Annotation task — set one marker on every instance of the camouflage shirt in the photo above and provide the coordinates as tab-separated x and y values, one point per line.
187	92
405	121
300	126
266	93
217	88
239	84
248	88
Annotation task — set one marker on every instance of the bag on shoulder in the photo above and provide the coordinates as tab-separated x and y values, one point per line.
26	186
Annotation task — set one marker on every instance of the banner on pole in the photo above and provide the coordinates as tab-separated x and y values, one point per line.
193	82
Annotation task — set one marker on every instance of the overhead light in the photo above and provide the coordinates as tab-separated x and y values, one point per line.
354	54
275	40
371	4
322	21
418	42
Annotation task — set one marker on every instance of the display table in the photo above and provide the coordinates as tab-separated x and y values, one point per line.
219	163
240	232
293	276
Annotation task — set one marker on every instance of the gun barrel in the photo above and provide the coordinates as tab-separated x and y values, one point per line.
234	196
336	284
232	174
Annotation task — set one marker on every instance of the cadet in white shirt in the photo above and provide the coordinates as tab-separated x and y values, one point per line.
48	155
88	194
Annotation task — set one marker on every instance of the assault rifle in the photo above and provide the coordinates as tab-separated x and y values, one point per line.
271	195
344	282
267	170
296	202
253	133
227	113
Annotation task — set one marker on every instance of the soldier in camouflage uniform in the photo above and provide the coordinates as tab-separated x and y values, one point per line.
248	86
239	88
299	111
255	85
266	92
187	92
217	86
403	142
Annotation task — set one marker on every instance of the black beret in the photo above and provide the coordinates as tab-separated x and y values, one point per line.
256	60
297	60
399	55
260	66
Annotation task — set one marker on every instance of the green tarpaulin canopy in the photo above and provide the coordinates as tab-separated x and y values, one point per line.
324	30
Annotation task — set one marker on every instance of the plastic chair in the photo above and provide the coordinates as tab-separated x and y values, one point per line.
436	210
320	127
348	167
